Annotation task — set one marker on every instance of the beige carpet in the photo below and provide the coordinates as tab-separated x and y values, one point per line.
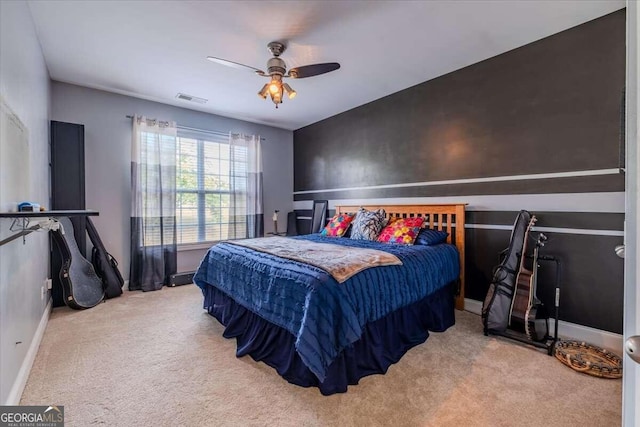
157	359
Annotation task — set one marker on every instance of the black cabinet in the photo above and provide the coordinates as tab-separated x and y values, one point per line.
67	189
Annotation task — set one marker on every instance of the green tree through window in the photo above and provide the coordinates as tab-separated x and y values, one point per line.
209	179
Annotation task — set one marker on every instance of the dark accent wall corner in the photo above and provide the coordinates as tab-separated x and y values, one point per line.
552	106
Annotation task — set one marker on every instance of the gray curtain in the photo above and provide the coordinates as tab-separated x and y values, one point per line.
153	204
245	170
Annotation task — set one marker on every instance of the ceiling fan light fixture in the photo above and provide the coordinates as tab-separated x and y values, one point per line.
277	97
290	92
264	91
274	87
276	70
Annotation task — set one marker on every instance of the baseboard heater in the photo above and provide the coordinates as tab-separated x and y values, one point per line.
181	278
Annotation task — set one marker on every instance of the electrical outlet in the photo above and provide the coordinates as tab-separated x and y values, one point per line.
49	283
45	288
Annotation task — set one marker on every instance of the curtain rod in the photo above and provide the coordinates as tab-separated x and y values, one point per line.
215	132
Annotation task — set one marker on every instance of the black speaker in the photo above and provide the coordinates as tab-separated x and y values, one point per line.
179	279
292	226
67	191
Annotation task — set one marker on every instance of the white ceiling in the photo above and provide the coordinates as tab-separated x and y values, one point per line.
155	49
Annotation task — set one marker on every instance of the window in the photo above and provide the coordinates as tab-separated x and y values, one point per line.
211	186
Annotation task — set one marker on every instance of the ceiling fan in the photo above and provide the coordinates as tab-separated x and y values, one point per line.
277	70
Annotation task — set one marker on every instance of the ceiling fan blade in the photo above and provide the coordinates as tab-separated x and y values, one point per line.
313	70
234	65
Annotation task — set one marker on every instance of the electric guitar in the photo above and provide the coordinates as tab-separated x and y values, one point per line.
523	292
537	324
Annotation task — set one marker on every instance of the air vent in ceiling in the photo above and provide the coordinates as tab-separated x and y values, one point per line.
186	97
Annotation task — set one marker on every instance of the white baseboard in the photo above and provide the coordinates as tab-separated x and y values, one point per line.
23	374
569	330
473	306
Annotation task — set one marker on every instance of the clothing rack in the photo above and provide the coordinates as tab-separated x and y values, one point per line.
213	132
22	221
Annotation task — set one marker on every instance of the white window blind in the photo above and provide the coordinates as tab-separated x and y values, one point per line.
210	188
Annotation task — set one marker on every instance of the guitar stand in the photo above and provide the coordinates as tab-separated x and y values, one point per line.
548	343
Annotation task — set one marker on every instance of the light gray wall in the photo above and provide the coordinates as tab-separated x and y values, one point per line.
25	88
108	157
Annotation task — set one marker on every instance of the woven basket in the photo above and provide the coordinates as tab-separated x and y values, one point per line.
589	359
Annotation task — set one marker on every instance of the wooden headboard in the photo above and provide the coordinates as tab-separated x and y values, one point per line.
449	218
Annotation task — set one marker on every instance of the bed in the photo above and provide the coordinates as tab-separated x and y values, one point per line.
318	329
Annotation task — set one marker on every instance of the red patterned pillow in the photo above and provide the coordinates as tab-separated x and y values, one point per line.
401	230
338	225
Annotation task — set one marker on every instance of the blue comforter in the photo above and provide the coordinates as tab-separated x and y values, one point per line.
323	315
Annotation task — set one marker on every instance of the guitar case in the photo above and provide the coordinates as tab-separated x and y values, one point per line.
497	303
81	286
105	265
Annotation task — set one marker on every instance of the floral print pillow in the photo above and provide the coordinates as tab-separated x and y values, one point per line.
337	226
401	230
367	224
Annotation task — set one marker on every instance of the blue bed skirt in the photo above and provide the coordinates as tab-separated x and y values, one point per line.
382	343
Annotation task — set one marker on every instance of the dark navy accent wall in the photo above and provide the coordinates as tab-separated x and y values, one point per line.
552	106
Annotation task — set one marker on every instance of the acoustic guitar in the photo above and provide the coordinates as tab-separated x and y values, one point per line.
523	292
104	264
81	287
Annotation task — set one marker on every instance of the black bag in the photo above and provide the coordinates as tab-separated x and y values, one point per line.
497	303
105	265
